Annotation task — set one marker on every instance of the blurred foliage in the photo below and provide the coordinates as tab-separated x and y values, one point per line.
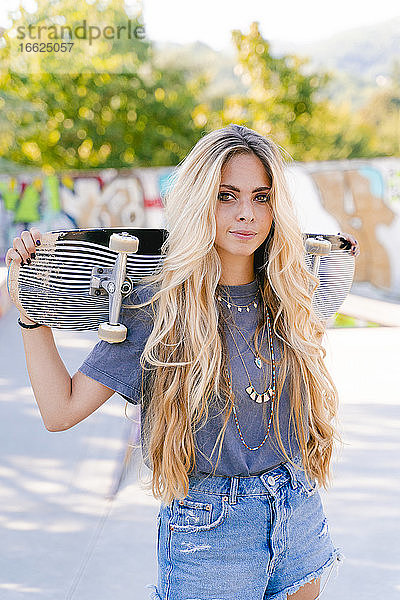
116	54
111	107
103	120
114	104
282	102
341	320
382	112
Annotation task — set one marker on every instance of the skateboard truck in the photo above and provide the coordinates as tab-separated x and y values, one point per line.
112	281
317	246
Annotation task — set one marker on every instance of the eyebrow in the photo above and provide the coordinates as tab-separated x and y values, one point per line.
235	189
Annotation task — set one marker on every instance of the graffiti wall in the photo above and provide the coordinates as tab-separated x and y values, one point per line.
361	197
108	198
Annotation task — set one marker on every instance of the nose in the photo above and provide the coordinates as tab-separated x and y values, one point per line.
245	210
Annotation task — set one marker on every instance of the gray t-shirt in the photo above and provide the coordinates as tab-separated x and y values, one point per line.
117	366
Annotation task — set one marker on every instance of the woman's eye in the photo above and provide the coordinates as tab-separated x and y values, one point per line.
263	197
223	196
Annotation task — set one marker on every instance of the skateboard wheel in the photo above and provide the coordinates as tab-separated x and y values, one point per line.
113	334
318	247
123	243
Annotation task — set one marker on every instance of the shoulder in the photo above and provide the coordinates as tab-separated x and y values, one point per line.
142	292
145	314
145	291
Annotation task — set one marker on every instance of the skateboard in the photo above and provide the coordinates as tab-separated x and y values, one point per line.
80	277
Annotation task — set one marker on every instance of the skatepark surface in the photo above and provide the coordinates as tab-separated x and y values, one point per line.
65	536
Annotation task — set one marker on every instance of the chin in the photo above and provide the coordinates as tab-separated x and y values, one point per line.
242	251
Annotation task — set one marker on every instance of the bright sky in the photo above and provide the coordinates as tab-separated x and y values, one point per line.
285	20
211	21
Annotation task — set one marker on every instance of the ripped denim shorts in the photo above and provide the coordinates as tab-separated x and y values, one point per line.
259	537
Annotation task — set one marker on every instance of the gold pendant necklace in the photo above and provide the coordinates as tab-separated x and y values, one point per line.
255	448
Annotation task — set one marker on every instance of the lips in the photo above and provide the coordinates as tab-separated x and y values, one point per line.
243	233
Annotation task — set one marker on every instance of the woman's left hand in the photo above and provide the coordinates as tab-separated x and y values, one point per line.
355	246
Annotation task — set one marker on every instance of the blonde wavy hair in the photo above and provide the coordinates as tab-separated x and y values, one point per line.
185	356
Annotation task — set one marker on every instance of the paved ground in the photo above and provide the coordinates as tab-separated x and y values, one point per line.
62	539
53	489
363	505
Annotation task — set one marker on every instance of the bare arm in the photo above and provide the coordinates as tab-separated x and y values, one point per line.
63	401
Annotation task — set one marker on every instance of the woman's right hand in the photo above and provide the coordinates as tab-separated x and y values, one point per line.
23	247
22	250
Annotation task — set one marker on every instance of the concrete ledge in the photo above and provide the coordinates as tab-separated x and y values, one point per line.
5	300
371	309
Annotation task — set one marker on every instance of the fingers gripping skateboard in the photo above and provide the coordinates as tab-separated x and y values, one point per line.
114	282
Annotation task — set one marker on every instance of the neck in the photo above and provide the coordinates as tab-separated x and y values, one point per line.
237	272
236	279
232	281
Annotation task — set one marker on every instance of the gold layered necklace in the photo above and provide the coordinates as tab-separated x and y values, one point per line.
270	393
257	358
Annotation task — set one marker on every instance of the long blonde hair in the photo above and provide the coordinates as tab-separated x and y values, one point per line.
185	356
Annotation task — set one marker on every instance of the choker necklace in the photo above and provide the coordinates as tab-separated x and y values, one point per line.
239	308
244	307
257	359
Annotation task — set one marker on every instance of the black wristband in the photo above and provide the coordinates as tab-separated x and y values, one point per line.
26	326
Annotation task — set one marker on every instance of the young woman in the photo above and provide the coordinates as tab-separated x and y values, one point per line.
224	354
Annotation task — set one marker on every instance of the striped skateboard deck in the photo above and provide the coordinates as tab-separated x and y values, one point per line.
54	289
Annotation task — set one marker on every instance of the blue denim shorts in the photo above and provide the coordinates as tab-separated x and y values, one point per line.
243	538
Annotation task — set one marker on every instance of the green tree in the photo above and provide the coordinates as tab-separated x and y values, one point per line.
283	103
108	105
382	113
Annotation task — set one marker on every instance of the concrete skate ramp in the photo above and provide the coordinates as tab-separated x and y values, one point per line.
370	309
